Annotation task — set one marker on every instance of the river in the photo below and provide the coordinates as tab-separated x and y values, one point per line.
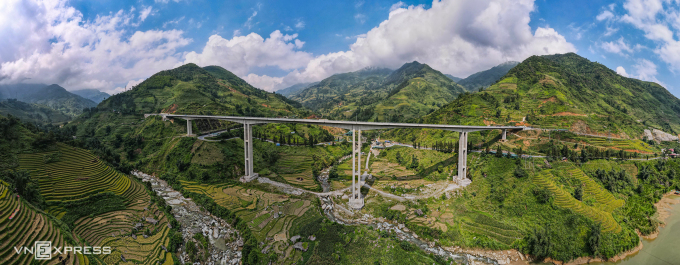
663	250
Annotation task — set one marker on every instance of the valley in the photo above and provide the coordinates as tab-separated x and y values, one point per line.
564	160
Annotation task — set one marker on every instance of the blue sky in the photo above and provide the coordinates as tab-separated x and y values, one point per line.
110	45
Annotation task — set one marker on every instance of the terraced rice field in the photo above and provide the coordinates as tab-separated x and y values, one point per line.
483	225
565	200
605	200
79	174
24	229
296	169
256	207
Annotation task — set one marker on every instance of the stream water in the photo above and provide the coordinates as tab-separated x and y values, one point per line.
665	249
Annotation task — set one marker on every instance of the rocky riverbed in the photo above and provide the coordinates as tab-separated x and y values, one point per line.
225	241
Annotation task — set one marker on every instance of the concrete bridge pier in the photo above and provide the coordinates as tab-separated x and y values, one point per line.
189	128
462	155
356	201
504	135
248	151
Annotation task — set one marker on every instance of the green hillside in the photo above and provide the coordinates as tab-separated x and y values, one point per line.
58	98
567	91
378	94
32	112
487	77
295	89
92	94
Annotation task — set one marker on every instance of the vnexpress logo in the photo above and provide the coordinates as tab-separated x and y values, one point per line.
43	250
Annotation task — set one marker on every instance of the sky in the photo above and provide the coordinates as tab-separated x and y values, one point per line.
113	44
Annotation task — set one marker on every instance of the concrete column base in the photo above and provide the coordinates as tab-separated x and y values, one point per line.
250	178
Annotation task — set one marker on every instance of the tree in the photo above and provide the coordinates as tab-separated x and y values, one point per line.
578	193
595	239
520	172
414	162
398	157
539	243
499	151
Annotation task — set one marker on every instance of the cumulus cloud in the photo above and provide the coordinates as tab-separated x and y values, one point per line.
144	13
300	24
63	48
621	71
242	53
456	37
619	47
605	15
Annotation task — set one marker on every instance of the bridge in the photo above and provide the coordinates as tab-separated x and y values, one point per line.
356	200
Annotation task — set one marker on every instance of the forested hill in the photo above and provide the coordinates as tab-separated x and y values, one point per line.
295	89
487	77
188	89
52	96
567	91
341	89
380	94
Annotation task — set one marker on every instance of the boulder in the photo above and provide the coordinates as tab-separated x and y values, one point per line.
300	246
295	238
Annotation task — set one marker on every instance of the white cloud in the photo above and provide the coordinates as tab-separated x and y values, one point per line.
605	15
656	18
63	48
619	47
300	24
166	1
144	13
361	18
610	31
621	71
263	82
249	23
242	53
358	4
397	5
287	28
646	70
173	22
457	37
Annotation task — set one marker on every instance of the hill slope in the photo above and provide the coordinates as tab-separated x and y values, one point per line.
92	94
53	96
32	112
570	92
487	77
381	94
295	89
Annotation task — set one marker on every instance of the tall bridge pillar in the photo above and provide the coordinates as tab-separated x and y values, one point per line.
356	201
189	128
504	135
248	151
462	155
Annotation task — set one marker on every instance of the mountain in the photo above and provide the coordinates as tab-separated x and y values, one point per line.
487	77
19	91
381	94
567	91
92	94
53	96
455	79
188	89
32	113
58	98
294	89
420	90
